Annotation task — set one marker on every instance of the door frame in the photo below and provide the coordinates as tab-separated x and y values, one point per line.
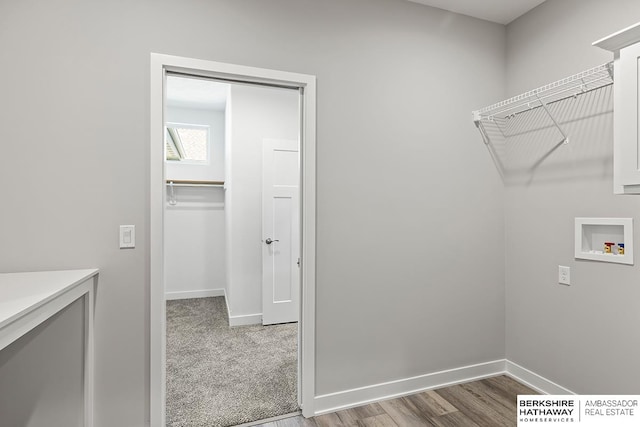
160	65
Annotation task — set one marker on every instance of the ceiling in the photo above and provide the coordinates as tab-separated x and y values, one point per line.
196	93
500	11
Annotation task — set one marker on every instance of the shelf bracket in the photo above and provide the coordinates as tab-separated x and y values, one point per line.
172	195
565	138
610	69
478	123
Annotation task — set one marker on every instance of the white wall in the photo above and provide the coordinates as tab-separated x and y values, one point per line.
579	336
195	226
402	172
195	243
256	113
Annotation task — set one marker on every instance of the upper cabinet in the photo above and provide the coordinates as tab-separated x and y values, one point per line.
625	45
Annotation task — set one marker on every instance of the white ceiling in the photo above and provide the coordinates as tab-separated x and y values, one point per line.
500	11
196	93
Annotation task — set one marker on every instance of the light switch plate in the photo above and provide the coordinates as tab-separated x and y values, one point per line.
127	236
564	275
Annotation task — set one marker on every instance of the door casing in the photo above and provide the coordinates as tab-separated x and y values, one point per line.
160	64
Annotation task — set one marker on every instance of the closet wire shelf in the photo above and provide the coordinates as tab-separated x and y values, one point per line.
569	87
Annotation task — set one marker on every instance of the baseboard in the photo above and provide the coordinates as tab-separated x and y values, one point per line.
203	293
247	319
361	396
242	320
374	393
533	380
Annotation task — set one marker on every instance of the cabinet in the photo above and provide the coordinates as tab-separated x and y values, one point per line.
27	300
625	45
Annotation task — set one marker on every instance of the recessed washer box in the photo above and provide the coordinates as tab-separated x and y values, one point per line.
591	235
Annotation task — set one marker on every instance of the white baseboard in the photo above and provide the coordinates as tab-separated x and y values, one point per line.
242	320
534	380
203	293
361	396
247	319
375	393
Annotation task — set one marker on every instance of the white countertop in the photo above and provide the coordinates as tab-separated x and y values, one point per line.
21	293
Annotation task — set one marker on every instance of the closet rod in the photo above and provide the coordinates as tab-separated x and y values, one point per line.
185	183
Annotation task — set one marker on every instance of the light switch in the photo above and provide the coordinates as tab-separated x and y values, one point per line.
127	236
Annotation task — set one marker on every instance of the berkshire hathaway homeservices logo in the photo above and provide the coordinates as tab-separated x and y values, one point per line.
584	411
557	410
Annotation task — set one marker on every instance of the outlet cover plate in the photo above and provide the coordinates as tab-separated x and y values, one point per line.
564	275
127	236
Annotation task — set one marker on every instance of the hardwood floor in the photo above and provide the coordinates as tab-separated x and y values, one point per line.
490	402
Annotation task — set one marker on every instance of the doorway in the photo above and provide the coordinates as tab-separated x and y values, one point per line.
305	84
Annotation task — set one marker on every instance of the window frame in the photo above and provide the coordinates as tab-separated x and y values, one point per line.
185	161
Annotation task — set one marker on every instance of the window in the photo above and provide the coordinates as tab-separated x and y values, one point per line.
187	143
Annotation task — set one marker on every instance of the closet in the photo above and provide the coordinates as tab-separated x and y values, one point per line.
232	225
195	115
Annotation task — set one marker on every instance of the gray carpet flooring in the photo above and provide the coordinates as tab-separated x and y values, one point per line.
221	376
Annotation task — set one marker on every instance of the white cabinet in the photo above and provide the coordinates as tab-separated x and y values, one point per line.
625	45
26	301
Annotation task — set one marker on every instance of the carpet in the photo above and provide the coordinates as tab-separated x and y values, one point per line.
220	376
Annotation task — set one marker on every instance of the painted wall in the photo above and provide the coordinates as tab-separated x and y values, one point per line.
410	207
256	113
41	378
579	336
195	243
195	226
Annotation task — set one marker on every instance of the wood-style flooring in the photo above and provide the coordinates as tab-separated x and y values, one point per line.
490	402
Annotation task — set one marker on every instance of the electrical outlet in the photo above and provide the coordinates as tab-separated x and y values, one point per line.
564	275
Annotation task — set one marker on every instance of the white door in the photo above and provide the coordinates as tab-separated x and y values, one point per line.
280	231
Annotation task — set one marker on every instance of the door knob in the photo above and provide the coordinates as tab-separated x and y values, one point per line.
269	241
